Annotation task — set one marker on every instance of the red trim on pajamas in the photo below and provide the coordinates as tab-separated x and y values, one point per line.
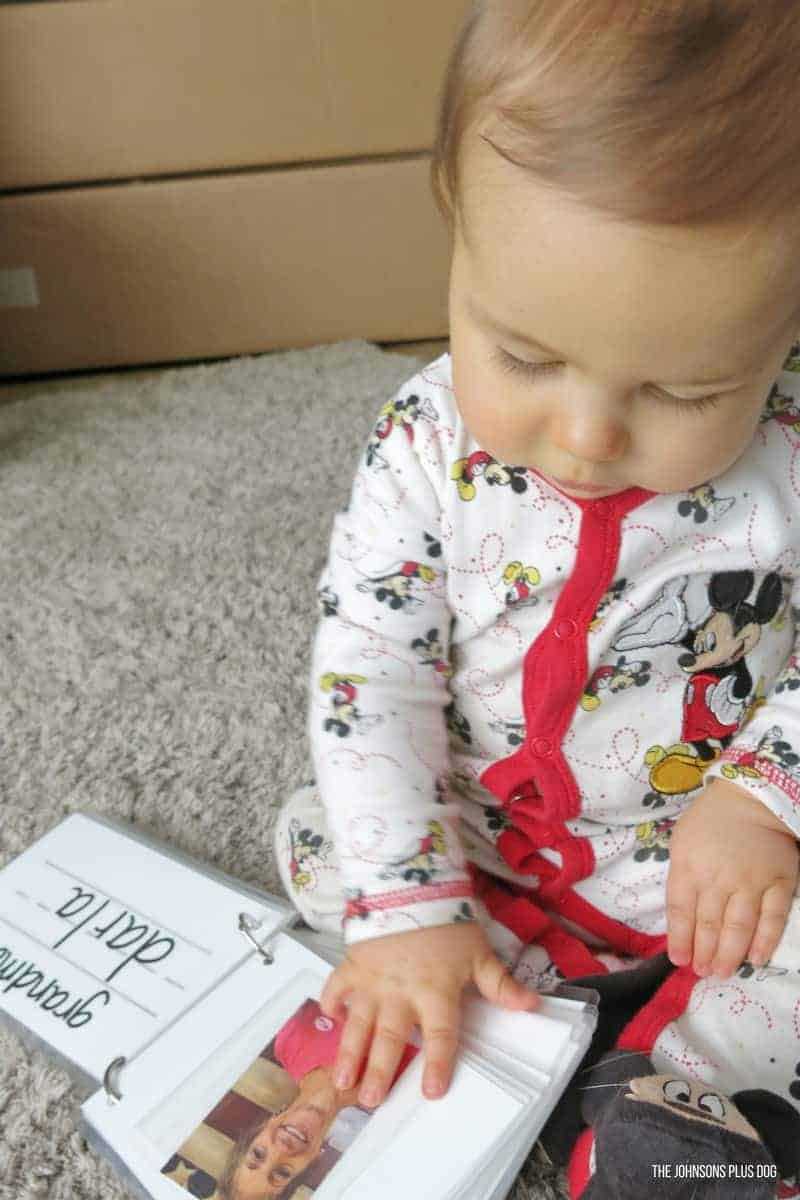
520	913
555	667
617	934
360	906
518	910
535	784
666	1005
519	844
578	1167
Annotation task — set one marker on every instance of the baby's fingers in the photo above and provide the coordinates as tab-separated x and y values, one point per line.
440	1018
711	906
775	905
355	1040
740	919
393	1025
681	905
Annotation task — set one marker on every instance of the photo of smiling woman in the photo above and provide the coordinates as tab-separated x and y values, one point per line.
246	1150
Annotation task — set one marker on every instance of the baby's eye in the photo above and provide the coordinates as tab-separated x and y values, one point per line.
511	364
695	404
534	370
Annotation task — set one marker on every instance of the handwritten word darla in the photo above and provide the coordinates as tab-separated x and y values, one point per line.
125	931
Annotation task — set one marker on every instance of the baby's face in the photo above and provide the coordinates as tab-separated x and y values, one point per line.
663	344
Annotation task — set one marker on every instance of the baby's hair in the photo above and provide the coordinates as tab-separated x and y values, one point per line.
652	112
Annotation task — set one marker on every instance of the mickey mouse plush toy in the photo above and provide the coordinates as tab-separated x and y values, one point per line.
657	1135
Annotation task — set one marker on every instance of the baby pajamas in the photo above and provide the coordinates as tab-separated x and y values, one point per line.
514	694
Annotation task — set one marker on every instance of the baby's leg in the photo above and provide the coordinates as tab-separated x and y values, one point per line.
309	869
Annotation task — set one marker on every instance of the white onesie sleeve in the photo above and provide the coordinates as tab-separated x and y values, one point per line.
378	686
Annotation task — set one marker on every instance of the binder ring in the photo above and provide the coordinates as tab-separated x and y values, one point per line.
246	925
114	1096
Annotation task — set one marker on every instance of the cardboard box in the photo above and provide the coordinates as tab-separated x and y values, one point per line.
109	89
204	267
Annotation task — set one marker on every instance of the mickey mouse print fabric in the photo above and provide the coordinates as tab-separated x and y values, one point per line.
506	676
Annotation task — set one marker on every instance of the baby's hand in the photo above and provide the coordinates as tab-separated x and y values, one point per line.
398	980
733	873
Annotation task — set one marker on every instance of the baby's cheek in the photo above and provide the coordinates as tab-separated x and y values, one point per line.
688	449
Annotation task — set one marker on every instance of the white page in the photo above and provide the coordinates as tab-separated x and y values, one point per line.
422	1157
540	1038
495	1179
496	1176
104	940
522	1090
507	1066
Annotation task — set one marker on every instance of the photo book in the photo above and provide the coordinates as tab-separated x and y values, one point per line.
185	1004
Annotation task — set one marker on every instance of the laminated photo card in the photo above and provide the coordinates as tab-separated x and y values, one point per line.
209	1058
106	937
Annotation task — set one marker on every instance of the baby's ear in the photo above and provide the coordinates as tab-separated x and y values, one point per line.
602	1082
778	1123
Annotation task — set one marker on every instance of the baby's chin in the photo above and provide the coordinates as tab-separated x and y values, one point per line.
664	485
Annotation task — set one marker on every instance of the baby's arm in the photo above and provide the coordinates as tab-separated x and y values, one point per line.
734	852
378	736
378	684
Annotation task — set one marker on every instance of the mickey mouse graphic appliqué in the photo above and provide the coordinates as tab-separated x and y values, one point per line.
519	582
480	463
396	585
396	414
306	847
345	716
717	632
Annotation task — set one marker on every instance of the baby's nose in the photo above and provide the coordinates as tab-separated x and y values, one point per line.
589	437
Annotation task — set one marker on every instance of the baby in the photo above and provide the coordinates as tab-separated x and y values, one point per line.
555	699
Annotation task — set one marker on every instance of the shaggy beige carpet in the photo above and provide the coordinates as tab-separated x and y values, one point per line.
161	536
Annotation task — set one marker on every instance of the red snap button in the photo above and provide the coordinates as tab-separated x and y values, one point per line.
566	628
542	746
527	797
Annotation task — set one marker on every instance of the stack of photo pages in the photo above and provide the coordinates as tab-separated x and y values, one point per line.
185	1004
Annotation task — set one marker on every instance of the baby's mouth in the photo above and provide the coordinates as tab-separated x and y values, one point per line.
572	485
